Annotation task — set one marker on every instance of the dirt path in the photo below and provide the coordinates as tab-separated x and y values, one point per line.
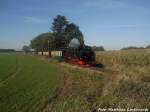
90	83
61	92
110	82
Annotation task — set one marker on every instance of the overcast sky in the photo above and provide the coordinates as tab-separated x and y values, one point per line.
111	23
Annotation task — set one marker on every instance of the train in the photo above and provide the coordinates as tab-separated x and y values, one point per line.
83	56
76	53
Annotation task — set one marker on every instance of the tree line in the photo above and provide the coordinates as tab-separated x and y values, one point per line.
61	33
134	47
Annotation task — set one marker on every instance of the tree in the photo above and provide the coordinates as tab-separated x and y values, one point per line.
100	48
132	47
65	32
72	31
47	41
36	43
62	34
26	48
40	43
59	24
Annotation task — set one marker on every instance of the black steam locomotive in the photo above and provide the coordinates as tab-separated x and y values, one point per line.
79	54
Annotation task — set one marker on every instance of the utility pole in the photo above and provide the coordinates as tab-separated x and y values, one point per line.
49	49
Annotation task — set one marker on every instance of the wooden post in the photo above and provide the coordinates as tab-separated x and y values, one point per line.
49	49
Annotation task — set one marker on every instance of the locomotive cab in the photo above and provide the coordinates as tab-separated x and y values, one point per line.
87	55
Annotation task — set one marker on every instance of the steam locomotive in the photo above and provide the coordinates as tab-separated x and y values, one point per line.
79	54
75	53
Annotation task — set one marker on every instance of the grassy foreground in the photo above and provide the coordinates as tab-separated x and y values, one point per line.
26	83
123	82
133	76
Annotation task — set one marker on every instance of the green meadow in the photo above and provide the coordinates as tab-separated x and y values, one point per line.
26	83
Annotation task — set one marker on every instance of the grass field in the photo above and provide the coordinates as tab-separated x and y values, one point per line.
124	82
26	83
29	83
8	66
133	69
140	57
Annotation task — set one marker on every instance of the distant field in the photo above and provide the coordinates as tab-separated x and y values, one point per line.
125	57
26	83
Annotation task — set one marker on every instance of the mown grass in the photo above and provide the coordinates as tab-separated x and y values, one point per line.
8	65
31	85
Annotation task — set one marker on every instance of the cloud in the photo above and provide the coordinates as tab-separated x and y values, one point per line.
126	26
34	20
36	9
130	25
105	4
